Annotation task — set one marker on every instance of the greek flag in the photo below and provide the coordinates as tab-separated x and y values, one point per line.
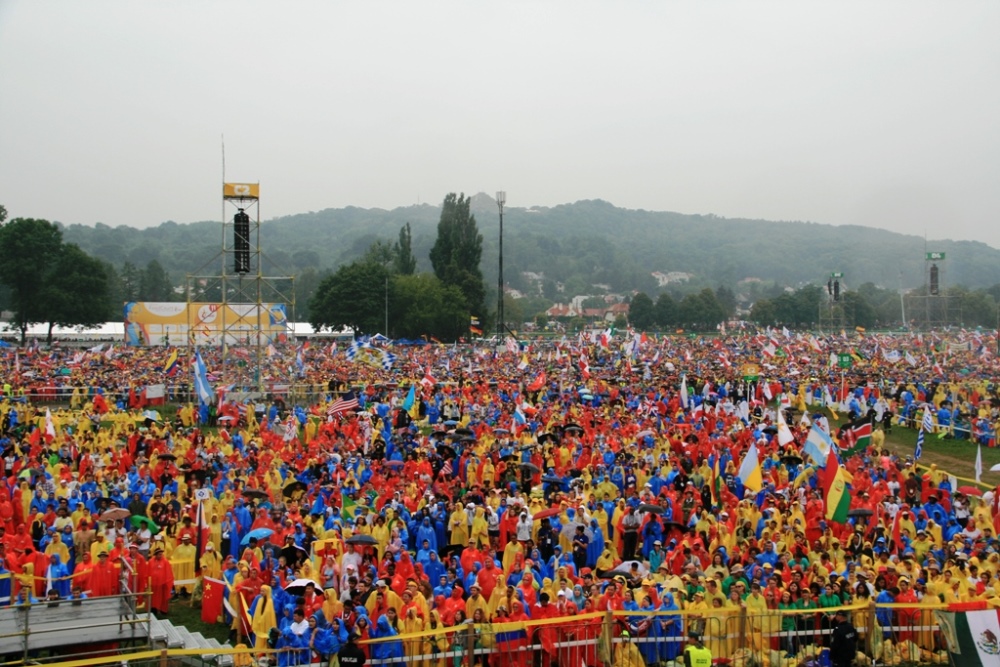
388	359
927	424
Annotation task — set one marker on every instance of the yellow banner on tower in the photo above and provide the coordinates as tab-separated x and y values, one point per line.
241	190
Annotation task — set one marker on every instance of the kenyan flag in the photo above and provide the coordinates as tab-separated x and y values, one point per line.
856	439
973	636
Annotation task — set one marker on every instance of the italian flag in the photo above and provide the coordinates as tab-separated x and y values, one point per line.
972	632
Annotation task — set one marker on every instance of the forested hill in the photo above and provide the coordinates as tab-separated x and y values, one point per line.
581	244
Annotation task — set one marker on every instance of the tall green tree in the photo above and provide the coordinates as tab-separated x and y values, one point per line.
155	284
131	279
421	305
666	310
76	290
642	312
28	249
353	296
457	252
405	263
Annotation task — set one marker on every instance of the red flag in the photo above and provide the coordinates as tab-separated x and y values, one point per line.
538	382
213	591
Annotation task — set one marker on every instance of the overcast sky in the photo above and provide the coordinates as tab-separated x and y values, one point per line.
872	113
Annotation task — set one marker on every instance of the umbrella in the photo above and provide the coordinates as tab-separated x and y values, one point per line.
114	514
464	431
393	463
298	587
626	568
545	437
140	521
153	415
791	459
674	525
770	430
995	468
573	428
468	438
361	540
166	457
254	493
970	490
447	452
530	467
654	509
552	479
859	512
292	488
226	418
546	513
643	434
259	533
501	431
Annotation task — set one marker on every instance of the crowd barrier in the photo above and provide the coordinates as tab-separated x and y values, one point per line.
889	634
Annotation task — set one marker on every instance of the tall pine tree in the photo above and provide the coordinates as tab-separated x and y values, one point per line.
457	252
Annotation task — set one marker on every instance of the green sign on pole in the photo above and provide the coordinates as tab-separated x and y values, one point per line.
844	360
837	274
935	255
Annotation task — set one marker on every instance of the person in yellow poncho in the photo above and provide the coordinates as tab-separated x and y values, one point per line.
182	561
459	524
627	653
211	562
263	618
480	529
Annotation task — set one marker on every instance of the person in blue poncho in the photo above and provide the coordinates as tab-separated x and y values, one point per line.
668	629
385	651
57	577
596	546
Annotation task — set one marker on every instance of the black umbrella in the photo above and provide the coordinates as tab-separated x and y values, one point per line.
791	459
546	437
530	467
446	452
654	509
554	479
254	493
674	525
468	438
362	540
859	512
463	431
293	488
771	430
573	428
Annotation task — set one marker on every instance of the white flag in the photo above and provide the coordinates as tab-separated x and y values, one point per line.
979	463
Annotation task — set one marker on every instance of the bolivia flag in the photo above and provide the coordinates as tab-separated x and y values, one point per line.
973	636
834	480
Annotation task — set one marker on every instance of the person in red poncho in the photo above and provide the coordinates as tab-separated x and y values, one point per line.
161	582
103	577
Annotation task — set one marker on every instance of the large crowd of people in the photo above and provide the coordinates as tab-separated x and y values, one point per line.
463	485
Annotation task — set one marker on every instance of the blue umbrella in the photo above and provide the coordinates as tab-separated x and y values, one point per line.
259	533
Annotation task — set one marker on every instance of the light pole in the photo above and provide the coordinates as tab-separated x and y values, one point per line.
501	200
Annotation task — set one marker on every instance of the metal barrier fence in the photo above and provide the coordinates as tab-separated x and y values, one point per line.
742	636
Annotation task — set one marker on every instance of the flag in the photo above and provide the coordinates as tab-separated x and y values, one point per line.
716	487
834	479
170	366
348	506
857	438
428	380
979	463
784	433
538	382
411	397
476	331
973	637
750	473
684	391
926	426
769	350
201	384
519	417
50	427
524	363
818	445
345	403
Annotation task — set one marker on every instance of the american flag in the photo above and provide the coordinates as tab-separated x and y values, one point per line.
446	469
345	403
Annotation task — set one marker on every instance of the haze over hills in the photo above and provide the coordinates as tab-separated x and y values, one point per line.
577	245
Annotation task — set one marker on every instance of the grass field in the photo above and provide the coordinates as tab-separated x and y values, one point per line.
957	457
